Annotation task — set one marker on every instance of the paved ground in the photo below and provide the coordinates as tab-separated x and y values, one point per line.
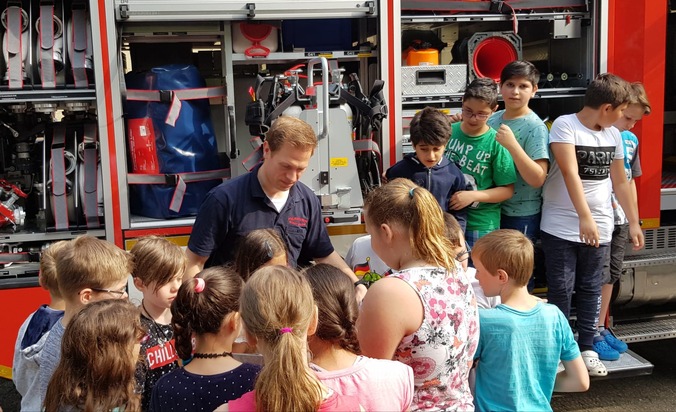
656	392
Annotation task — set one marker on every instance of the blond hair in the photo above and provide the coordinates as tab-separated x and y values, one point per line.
48	259
414	208
638	96
292	131
157	260
277	307
90	263
96	370
509	250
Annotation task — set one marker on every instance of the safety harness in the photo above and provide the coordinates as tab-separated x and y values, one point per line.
79	42
16	23
88	151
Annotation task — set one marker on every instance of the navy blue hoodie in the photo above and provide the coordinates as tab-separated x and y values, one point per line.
442	180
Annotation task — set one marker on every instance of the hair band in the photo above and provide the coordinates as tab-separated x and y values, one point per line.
410	193
199	286
285	330
268	249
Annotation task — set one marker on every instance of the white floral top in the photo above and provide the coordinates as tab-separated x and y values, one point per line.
442	350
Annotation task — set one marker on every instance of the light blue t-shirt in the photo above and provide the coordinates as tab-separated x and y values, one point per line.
533	136
632	167
518	356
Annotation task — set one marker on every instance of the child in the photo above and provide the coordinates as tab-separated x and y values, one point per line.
362	259
159	266
100	350
427	167
577	217
487	165
33	332
88	270
437	338
525	136
279	313
461	251
509	378
205	308
259	247
334	348
638	106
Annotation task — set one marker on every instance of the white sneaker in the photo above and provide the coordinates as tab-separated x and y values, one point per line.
594	365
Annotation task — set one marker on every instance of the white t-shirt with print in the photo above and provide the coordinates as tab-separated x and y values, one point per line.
595	151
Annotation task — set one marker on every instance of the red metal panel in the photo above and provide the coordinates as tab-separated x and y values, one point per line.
16	305
636	51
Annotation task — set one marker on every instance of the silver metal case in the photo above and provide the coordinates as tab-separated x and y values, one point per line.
440	80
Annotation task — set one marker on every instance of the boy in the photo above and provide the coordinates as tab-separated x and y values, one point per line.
488	167
33	333
430	131
577	217
159	266
525	136
637	108
508	377
89	270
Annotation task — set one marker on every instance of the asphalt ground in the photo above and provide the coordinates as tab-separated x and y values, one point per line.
655	392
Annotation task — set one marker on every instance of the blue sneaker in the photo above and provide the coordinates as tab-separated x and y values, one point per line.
614	343
604	350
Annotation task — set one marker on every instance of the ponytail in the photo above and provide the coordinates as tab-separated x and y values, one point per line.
202	303
277	308
414	208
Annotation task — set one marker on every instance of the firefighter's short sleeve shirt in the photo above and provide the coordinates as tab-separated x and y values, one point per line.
238	206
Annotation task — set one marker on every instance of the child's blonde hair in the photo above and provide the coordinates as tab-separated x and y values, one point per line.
638	96
157	260
509	250
203	312
277	307
415	209
90	263
256	249
96	371
48	277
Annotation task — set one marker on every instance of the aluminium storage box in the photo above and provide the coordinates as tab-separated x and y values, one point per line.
440	80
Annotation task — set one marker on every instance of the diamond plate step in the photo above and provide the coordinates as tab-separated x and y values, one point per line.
648	330
629	364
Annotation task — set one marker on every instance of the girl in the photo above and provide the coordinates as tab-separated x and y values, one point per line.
206	308
278	312
258	248
334	348
100	349
425	313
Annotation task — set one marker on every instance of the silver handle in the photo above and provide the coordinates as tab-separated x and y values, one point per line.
325	90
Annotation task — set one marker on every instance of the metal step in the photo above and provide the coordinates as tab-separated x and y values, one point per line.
629	364
654	329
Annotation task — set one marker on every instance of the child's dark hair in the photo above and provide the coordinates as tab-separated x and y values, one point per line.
520	68
277	308
430	126
96	370
416	210
338	309
606	88
509	250
256	249
157	261
203	312
483	89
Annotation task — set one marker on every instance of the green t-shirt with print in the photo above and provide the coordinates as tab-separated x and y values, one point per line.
485	164
533	136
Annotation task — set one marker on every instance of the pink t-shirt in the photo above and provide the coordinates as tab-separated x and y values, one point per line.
247	403
380	385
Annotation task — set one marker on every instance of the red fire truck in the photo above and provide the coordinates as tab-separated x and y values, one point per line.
67	167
